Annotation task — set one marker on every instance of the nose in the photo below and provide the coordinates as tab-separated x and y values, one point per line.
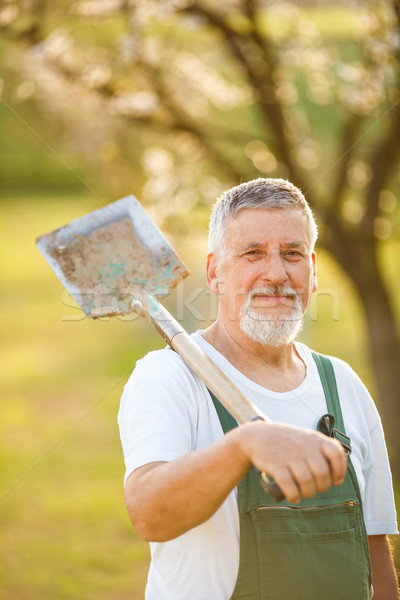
274	271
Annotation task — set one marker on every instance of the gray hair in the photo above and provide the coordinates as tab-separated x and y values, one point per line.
258	193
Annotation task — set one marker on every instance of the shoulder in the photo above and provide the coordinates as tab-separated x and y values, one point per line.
351	389
166	365
163	376
342	370
159	364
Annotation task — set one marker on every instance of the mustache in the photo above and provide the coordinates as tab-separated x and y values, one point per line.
273	290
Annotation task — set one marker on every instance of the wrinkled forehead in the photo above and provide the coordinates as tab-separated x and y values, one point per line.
262	226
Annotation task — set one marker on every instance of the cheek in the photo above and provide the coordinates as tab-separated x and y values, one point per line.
309	287
235	281
232	294
302	281
232	290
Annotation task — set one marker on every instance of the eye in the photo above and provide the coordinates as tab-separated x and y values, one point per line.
252	254
293	254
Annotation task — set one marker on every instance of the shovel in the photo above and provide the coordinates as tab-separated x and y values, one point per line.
115	261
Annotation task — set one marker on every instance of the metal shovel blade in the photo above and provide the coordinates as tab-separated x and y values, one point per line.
107	256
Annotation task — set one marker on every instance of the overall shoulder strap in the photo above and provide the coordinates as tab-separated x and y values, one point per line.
225	417
328	380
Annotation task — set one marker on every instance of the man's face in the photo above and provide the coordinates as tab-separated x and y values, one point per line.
267	269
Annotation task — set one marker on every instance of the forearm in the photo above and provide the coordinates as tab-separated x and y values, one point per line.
165	500
383	572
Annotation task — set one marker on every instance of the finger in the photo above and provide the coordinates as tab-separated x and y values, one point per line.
320	468
336	457
304	478
287	483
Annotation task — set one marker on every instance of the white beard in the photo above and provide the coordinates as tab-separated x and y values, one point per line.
272	331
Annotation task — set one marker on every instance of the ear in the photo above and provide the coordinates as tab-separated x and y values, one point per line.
211	272
314	271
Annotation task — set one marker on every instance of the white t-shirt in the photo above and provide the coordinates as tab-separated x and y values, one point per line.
166	411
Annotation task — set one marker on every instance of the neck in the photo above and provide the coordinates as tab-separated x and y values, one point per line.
276	368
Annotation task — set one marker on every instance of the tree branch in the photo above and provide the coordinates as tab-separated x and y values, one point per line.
396	6
382	163
270	107
184	123
33	31
350	135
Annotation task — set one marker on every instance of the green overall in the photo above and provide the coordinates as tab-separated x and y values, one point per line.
314	550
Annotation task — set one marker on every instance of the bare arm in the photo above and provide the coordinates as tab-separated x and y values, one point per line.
165	500
383	572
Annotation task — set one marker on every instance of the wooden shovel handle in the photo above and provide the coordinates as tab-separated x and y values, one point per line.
240	407
229	395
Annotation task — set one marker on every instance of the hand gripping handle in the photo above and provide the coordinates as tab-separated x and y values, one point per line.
271	487
267	483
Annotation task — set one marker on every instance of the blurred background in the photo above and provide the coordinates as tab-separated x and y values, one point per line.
174	101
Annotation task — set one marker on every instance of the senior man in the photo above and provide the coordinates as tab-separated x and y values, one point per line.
191	489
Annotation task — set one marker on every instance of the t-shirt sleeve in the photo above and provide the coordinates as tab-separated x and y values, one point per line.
379	507
158	414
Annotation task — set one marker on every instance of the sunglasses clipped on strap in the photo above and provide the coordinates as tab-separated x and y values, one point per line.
326	425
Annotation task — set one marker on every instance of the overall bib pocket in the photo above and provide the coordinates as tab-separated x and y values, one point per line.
292	547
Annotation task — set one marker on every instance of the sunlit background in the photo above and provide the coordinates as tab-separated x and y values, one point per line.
174	101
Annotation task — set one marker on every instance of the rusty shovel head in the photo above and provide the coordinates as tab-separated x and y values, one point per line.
106	257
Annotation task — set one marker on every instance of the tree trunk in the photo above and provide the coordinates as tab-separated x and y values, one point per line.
384	352
359	261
